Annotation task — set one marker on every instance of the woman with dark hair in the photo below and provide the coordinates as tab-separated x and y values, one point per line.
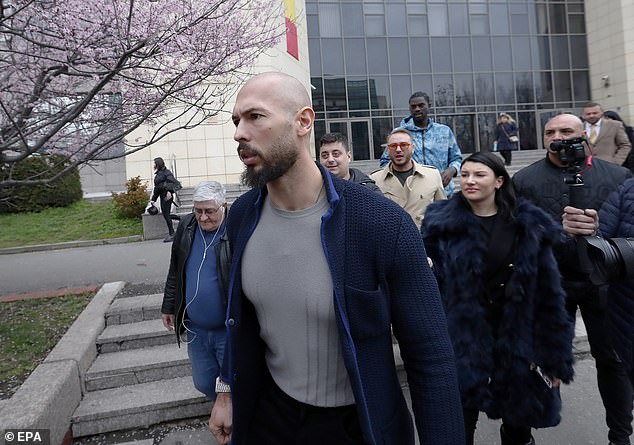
164	188
629	162
493	259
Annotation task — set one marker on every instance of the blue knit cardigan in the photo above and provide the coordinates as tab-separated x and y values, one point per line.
381	280
494	373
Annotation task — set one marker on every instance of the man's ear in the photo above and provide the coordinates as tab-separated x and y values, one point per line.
305	120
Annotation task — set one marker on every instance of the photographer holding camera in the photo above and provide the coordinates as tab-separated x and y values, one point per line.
567	177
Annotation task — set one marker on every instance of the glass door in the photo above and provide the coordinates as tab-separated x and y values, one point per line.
358	133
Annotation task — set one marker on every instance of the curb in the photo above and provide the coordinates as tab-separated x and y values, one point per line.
70	244
51	394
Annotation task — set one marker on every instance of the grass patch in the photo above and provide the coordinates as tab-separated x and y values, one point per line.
29	329
82	220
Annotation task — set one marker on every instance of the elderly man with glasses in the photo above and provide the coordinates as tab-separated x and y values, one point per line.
412	186
194	301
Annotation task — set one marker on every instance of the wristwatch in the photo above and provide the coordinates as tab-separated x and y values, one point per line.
222	386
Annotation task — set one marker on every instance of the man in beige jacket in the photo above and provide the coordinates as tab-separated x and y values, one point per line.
607	137
410	185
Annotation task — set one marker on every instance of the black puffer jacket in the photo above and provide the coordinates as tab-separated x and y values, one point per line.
542	183
174	294
163	183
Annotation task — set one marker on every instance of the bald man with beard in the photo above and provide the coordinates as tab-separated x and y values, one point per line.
317	286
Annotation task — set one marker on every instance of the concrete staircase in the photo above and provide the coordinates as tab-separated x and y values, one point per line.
140	377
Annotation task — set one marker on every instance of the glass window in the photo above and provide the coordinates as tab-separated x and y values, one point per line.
401	90
320	130
478	8
438	21
519	24
502	60
399	56
524	88
335	94
479	24
417	25
486	128
458	19
441	54
373	8
317	93
541	15
482	59
541	52
527	126
329	20
563	86
360	140
396	20
557	14
311	7
420	57
544	87
314	55
423	83
577	23
461	47
413	8
358	98
443	90
353	23
485	91
312	25
464	131
581	83
332	57
559	46
499	19
381	127
465	94
380	93
355	56
504	88
377	62
374	25
579	49
521	48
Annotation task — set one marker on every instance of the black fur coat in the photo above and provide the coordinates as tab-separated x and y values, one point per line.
494	373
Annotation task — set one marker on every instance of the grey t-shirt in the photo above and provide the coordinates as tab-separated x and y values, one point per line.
286	277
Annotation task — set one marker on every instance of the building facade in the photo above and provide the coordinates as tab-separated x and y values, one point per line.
474	58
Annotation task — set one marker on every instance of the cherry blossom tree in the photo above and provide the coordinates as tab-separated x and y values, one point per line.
78	76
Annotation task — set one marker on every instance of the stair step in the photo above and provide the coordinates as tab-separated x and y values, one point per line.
135	366
138	406
141	334
133	309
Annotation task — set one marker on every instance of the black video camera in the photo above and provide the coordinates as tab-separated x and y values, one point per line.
572	154
571	151
606	260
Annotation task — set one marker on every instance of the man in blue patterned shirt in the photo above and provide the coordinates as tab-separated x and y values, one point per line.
434	143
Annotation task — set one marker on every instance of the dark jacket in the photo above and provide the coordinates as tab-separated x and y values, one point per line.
503	132
174	294
369	244
163	183
543	184
494	373
616	220
358	177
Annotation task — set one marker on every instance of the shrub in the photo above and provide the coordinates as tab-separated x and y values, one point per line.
61	193
131	204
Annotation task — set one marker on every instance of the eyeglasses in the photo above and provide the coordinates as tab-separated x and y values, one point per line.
403	145
208	212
